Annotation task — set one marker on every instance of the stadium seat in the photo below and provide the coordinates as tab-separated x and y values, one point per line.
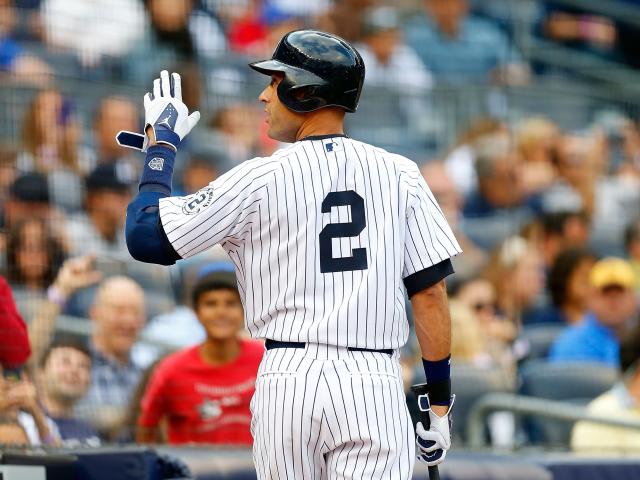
571	382
539	339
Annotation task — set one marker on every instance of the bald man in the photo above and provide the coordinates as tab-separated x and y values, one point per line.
118	315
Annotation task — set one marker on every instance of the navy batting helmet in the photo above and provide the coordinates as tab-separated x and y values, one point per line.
320	70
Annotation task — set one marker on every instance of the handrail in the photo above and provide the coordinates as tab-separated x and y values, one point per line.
623	78
611	8
533	406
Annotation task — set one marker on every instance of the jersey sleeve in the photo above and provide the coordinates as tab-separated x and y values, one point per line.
220	211
429	240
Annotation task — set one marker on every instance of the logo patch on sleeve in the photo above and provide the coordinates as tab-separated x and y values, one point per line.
156	163
196	202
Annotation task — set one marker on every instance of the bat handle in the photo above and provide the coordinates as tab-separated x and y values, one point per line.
434	473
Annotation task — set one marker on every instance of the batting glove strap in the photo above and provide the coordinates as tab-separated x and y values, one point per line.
158	169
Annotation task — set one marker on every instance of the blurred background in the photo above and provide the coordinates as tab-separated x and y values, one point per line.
523	115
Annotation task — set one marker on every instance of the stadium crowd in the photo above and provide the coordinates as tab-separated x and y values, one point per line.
95	347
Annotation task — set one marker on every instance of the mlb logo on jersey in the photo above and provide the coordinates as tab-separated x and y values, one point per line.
333	146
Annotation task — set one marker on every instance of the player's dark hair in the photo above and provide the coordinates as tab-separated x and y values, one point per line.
562	269
65	342
210	284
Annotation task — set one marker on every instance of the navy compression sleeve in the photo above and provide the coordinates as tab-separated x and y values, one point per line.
146	239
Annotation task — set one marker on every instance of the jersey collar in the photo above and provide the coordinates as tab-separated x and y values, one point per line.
323	137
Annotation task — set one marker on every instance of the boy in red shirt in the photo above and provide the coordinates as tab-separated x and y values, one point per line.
203	392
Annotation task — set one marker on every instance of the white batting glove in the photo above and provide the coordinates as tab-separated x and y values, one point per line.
165	113
433	444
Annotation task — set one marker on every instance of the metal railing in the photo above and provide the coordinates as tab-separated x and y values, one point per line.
541	407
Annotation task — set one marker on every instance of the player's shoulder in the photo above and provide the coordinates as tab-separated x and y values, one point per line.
401	163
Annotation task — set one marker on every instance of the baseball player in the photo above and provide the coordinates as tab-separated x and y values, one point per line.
326	234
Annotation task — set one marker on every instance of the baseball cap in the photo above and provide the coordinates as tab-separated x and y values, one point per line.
31	187
116	177
612	271
222	271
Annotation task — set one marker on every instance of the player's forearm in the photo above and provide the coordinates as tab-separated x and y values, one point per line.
145	236
433	329
432	321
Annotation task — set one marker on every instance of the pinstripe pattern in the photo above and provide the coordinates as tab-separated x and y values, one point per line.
329	413
322	411
266	215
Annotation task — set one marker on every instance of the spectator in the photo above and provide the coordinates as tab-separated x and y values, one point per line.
450	201
204	391
461	159
50	135
579	28
387	57
345	18
14	348
536	140
468	342
632	246
64	377
178	32
118	315
517	275
459	48
12	433
612	305
33	258
19	403
202	168
28	198
497	332
8	174
259	32
568	285
562	230
21	64
101	229
578	169
494	211
237	128
75	274
114	113
95	31
622	402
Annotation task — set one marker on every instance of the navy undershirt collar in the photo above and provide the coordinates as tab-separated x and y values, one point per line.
323	137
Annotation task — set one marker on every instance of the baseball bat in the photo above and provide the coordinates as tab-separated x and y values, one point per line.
423	389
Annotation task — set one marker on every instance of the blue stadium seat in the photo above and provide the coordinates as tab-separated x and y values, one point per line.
539	338
575	382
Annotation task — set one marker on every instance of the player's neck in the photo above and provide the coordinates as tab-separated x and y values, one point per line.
326	121
218	352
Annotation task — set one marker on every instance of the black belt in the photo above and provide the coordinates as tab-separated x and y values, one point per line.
270	344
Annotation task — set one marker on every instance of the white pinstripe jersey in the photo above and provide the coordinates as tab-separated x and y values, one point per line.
322	234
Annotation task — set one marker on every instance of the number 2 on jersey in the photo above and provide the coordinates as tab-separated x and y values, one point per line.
358	258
